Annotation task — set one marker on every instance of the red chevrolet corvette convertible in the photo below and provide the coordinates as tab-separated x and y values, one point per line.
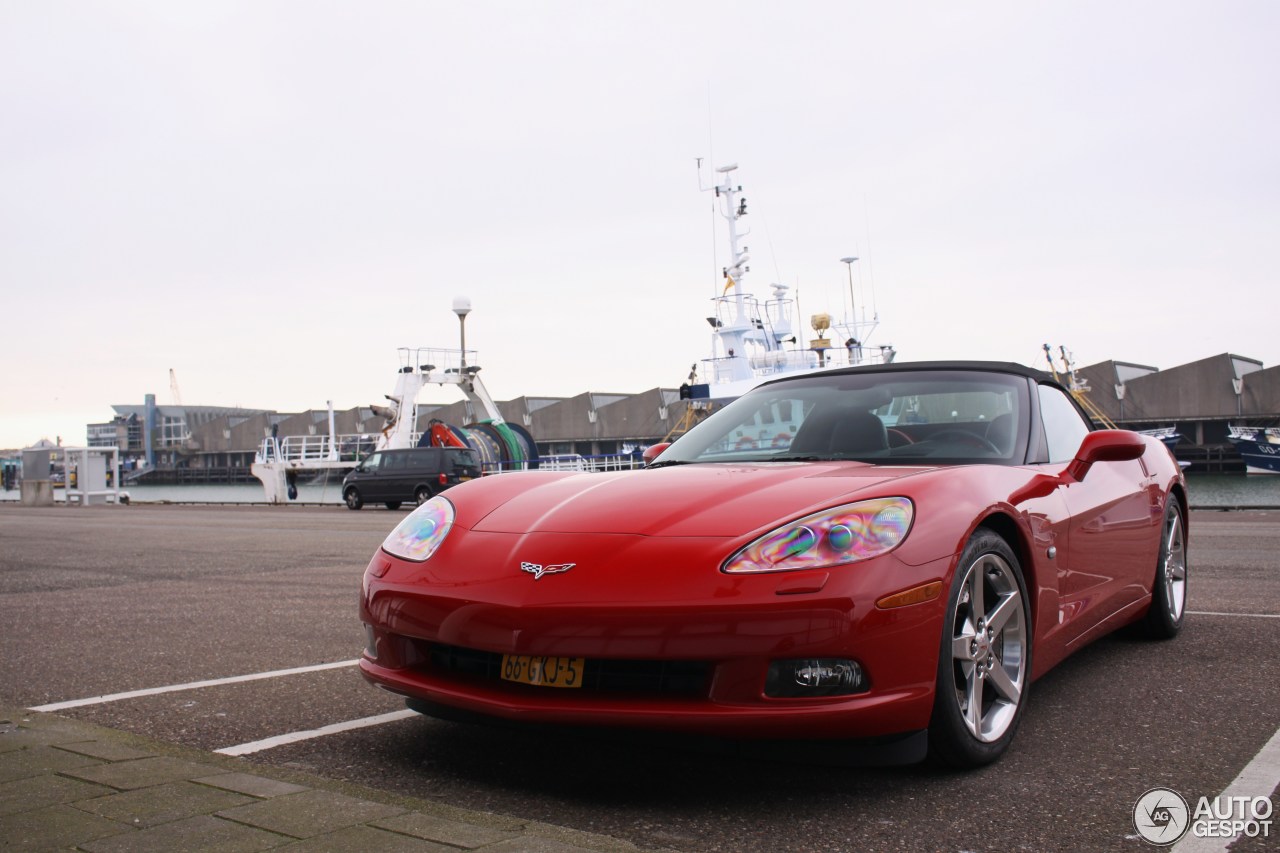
882	557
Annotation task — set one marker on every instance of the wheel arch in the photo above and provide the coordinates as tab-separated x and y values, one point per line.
1007	528
1179	493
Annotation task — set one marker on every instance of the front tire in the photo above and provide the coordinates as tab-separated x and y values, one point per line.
352	498
1169	588
984	668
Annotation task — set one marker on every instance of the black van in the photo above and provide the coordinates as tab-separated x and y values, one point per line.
392	477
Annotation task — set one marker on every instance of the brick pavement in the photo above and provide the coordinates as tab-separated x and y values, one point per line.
69	785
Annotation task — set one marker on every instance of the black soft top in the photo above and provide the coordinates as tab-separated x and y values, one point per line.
921	366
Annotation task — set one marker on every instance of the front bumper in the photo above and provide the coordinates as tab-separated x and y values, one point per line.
647	613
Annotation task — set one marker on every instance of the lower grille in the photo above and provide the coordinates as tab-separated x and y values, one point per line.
660	677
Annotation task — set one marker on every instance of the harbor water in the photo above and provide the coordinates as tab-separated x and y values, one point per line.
1208	491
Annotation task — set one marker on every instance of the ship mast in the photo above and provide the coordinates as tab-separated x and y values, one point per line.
754	339
734	335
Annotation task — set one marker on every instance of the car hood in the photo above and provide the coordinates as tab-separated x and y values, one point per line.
688	500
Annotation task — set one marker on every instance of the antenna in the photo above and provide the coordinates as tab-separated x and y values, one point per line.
871	271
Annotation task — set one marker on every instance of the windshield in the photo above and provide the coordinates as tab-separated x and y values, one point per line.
926	417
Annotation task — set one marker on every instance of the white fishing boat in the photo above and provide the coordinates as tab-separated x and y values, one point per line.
754	340
1259	447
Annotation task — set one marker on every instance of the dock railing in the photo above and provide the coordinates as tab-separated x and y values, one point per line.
601	463
316	448
352	448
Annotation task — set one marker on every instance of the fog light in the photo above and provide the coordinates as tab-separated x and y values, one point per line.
814	677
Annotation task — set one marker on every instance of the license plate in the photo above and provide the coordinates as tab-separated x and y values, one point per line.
543	671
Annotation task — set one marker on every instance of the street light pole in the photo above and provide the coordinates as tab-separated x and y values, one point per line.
462	307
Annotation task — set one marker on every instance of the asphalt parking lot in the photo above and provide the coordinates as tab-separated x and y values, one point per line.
156	600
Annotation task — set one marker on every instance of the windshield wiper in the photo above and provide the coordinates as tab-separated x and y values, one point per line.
669	462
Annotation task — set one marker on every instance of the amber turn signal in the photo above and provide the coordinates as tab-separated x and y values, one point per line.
915	595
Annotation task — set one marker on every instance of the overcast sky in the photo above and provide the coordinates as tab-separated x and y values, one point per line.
270	197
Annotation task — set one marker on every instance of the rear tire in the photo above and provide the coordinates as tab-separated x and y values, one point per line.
984	668
352	498
422	495
1169	586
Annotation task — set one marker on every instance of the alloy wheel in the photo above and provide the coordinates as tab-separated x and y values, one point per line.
988	647
1174	570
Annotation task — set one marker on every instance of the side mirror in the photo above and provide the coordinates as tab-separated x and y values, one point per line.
1106	445
653	451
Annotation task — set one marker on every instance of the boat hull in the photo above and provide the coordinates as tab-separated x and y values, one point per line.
1259	449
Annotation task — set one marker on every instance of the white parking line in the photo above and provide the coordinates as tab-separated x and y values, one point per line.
1223	613
193	685
294	737
1258	779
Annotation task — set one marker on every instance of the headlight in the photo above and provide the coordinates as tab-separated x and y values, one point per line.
844	534
418	536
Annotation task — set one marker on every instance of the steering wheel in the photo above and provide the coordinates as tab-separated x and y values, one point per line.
904	439
966	436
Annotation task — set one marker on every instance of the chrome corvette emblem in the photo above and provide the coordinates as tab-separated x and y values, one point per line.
538	570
